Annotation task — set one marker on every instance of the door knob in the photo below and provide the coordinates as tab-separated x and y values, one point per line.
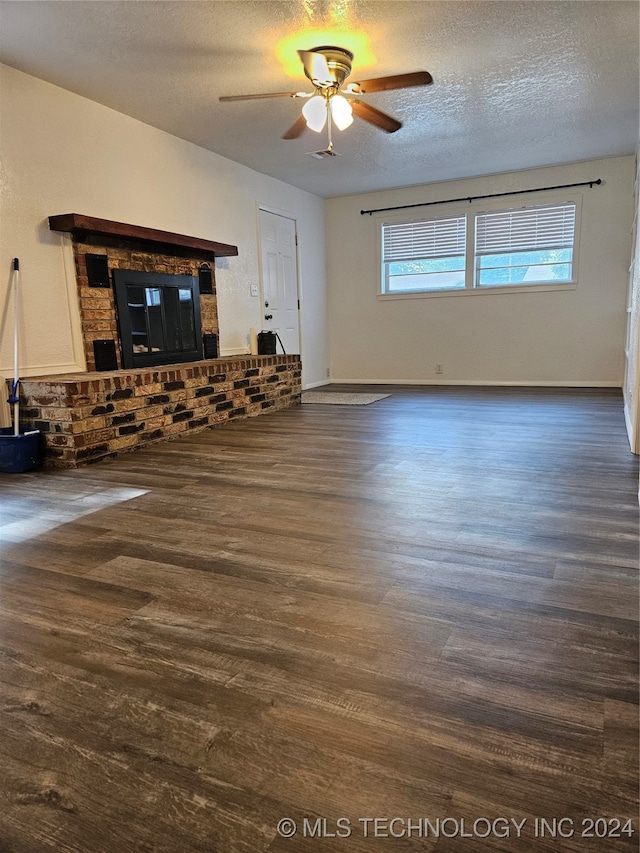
268	316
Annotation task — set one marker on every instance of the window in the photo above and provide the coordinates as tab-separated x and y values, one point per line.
481	249
531	245
426	255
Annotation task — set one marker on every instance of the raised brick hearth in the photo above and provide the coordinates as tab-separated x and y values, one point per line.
88	416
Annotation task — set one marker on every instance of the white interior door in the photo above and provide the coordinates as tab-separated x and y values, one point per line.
280	278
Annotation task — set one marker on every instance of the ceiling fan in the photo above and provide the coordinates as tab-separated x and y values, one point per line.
331	102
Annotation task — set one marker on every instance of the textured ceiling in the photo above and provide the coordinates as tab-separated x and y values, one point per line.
516	85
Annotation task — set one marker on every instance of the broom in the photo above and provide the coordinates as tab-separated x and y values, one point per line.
14	396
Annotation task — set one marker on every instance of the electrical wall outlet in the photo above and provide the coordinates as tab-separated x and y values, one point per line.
254	290
328	372
439	367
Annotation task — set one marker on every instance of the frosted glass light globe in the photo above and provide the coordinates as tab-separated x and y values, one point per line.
315	112
341	112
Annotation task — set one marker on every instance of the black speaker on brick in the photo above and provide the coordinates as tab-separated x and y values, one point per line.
266	343
97	270
105	355
205	280
210	345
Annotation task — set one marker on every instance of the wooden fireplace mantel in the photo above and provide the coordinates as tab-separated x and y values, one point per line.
82	227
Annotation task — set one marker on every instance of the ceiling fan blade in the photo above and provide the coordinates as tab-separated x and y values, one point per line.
266	95
374	116
396	81
296	128
316	67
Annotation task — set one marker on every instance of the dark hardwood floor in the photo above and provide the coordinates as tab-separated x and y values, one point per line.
424	608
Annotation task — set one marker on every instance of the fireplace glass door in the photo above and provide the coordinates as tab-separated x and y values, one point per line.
159	318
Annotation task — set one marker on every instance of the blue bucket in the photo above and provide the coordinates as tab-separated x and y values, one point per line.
19	453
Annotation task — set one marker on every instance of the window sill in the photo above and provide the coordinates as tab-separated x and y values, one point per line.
479	291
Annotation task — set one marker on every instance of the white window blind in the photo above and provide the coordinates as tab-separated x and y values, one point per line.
432	238
526	230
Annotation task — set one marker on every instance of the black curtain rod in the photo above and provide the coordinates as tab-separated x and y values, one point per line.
471	198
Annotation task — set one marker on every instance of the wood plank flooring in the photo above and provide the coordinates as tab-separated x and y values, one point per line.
425	608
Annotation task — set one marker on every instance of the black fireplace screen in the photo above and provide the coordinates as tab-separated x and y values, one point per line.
158	317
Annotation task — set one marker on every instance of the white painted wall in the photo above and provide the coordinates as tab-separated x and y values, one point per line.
572	337
62	153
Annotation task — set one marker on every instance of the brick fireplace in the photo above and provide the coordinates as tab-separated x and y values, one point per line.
143	250
88	416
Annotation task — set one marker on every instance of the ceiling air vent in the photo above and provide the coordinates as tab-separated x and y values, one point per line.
320	155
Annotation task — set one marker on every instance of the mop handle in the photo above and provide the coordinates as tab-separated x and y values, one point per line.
15	398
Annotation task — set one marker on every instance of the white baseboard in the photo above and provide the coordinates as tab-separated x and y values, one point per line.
234	353
481	382
44	370
628	423
309	385
628	420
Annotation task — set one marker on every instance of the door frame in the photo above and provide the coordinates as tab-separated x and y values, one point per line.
287	214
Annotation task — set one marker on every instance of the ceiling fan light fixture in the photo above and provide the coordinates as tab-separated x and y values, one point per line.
341	112
328	68
315	113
